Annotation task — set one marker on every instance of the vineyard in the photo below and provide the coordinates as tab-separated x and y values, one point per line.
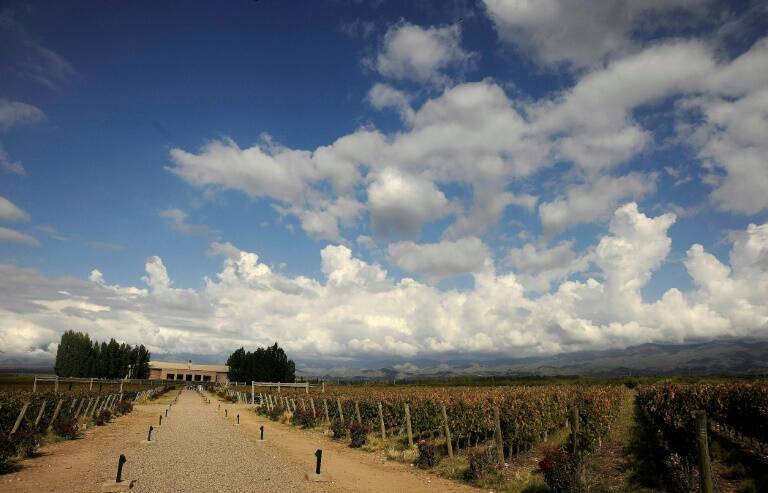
27	417
502	422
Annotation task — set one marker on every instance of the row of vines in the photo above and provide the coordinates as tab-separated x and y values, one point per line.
526	414
740	409
26	417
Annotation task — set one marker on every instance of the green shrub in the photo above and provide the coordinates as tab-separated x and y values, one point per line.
359	434
483	463
428	457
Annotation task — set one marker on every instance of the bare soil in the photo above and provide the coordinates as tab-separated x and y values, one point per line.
197	449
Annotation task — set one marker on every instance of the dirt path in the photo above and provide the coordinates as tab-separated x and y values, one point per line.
82	465
197	449
350	470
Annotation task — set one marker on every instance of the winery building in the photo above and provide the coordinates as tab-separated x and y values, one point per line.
189	372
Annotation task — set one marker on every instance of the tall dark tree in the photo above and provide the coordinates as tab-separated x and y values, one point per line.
269	364
79	356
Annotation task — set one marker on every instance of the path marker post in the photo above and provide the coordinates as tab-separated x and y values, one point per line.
161	421
149	435
238	419
262	432
122	460
317	476
119	484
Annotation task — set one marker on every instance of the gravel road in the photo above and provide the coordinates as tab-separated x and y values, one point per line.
197	449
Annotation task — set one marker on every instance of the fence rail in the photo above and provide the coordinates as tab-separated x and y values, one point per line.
91	381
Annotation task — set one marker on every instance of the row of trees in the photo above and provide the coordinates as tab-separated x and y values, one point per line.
79	356
269	364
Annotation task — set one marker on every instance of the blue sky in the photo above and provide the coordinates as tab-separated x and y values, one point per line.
483	149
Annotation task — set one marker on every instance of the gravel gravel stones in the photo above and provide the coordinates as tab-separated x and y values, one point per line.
197	450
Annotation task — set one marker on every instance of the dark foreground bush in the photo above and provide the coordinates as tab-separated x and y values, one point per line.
428	457
274	413
67	427
104	416
304	418
559	469
7	452
359	434
483	464
124	407
26	443
338	430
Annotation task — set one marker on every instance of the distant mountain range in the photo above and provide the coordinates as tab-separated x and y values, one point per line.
707	358
727	357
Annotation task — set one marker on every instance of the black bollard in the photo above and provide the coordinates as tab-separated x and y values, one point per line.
122	460
262	431
238	419
166	413
319	455
225	413
149	435
161	420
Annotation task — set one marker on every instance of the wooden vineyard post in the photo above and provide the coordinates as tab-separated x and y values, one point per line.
325	408
312	405
306	387
705	471
381	423
357	413
341	412
447	433
34	386
293	403
40	414
408	424
21	416
79	407
56	387
575	430
499	437
55	414
575	438
90	387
